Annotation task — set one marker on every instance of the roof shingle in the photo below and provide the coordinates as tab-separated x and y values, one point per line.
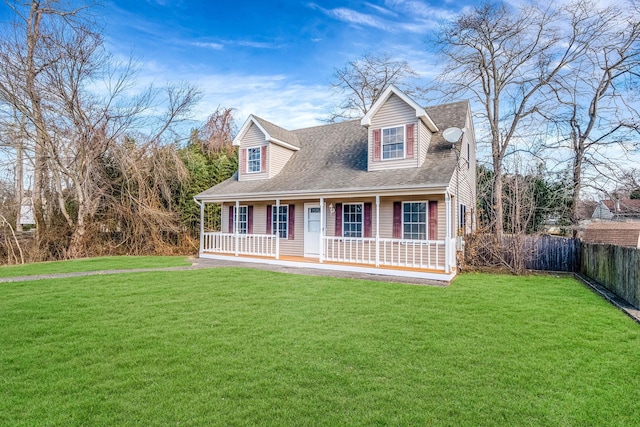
333	157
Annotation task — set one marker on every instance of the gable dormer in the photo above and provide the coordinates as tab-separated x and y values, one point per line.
264	149
399	131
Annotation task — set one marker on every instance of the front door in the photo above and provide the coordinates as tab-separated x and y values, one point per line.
312	230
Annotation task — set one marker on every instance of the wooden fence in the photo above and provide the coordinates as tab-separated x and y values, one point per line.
615	267
553	253
523	252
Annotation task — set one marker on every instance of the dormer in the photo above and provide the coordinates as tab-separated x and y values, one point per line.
399	131
264	149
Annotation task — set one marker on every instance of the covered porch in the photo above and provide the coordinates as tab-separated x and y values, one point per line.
377	253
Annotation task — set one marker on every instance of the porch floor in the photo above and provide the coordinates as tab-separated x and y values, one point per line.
438	276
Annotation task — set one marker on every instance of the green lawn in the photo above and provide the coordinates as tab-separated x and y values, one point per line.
244	347
93	264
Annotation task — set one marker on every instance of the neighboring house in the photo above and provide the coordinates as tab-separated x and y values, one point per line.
385	195
613	233
618	210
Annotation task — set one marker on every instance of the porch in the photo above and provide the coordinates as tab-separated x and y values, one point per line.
427	259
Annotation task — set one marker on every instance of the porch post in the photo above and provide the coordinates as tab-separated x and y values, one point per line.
321	257
201	227
277	228
235	226
447	233
377	231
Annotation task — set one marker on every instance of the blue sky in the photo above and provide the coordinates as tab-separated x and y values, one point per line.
270	58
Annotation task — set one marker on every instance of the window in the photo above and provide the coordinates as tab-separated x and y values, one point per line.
414	221
282	218
241	218
253	160
462	219
393	143
352	220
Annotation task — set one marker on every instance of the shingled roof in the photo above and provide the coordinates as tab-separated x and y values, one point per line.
613	233
278	133
625	206
333	158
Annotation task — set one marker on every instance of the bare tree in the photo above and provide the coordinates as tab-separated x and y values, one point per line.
362	81
503	58
217	133
56	72
595	95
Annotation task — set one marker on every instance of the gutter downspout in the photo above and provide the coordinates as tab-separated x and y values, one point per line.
447	233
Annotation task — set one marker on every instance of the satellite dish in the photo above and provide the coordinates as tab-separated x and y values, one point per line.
452	135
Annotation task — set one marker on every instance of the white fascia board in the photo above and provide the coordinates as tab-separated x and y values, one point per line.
392	89
282	144
330	193
245	128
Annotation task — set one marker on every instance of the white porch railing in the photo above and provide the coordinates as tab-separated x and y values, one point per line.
425	254
243	244
429	254
347	249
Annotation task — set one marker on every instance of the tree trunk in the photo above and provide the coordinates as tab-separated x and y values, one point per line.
19	173
498	213
575	196
39	176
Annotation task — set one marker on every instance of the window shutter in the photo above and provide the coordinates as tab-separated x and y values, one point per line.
410	140
338	230
269	219
292	221
367	219
231	228
263	159
433	221
243	160
249	219
397	220
376	145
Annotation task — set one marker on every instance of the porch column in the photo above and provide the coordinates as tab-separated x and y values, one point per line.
202	226
235	226
447	233
377	231
321	257
277	228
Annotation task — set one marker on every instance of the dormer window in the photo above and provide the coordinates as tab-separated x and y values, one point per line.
393	143
253	160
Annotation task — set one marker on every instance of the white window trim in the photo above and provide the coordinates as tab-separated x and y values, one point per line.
248	169
426	219
236	222
404	143
273	225
361	223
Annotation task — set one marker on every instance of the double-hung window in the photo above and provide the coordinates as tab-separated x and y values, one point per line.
280	220
241	219
352	220
253	160
393	143
414	220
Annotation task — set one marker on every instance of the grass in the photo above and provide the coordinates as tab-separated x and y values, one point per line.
93	264
244	347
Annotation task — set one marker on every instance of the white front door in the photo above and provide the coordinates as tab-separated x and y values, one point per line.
312	230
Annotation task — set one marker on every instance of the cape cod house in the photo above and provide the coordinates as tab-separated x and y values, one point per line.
387	194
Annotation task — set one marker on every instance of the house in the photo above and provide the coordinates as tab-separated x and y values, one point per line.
387	194
613	233
618	210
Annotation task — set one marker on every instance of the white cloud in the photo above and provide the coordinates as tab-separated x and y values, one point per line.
291	105
382	10
209	45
